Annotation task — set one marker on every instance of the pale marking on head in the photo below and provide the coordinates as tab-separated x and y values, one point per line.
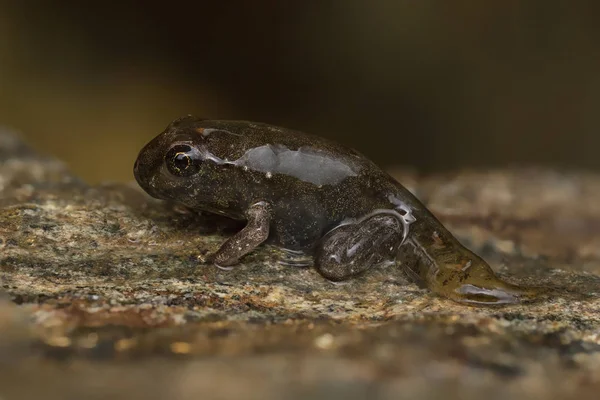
209	131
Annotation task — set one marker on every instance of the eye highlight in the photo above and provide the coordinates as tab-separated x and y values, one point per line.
182	160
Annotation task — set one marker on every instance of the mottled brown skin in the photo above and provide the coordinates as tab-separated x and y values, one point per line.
302	192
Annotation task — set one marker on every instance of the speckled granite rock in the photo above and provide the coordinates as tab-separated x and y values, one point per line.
110	297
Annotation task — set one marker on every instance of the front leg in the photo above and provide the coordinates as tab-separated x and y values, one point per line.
254	233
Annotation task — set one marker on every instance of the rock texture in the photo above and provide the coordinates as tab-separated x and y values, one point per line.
106	293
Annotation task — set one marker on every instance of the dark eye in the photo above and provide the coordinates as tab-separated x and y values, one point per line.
183	160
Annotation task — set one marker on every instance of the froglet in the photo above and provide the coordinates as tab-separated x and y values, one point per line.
305	193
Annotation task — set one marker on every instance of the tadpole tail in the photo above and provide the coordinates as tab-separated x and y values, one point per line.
460	275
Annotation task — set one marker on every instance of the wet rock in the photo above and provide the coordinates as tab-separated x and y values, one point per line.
102	283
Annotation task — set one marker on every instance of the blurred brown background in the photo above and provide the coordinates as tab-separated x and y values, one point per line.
435	85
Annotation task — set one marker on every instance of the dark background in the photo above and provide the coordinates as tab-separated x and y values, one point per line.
435	85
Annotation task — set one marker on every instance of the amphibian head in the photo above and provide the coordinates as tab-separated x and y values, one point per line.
190	164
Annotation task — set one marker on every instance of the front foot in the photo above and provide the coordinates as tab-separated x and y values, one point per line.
210	259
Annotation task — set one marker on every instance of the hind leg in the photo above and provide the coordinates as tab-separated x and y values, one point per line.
352	249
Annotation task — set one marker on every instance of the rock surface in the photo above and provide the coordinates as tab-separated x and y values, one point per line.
106	294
